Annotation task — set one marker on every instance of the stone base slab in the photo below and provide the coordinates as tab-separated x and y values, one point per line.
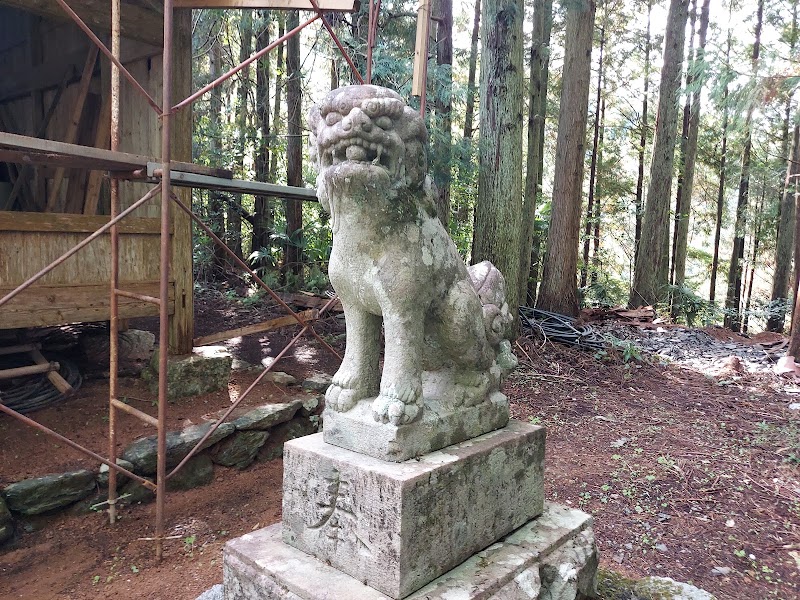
398	526
552	557
440	425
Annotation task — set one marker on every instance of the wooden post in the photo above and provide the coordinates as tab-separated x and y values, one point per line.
421	48
181	329
95	180
72	127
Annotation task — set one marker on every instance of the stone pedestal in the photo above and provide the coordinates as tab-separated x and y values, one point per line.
462	523
442	424
552	557
398	526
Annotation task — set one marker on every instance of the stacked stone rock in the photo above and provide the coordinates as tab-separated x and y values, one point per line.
419	485
253	434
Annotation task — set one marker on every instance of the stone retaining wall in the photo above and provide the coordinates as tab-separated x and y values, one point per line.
255	435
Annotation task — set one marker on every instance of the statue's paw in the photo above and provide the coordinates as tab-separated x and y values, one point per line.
506	359
398	405
345	379
342	399
474	387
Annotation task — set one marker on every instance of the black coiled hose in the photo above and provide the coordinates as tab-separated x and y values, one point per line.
559	328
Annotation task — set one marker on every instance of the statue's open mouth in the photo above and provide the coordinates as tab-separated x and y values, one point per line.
357	150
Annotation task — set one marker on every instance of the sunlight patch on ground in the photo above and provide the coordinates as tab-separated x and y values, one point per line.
306	354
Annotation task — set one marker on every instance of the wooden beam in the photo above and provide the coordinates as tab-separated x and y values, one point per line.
24	149
71	135
306	315
81	155
65	223
49	305
311	301
48	367
326	5
61	384
18	349
181	325
137	23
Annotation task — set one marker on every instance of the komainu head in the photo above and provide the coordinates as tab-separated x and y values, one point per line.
368	131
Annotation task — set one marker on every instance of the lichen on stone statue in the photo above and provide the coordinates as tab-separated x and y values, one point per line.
393	262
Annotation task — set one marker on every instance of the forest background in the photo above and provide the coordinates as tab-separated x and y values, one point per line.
649	150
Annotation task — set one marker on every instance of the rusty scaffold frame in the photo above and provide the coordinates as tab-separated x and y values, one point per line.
164	174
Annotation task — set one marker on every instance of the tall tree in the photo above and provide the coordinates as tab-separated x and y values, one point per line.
537	111
785	234
276	111
234	217
722	166
559	290
684	143
794	341
755	238
683	202
473	67
643	128
264	219
443	138
587	232
294	153
498	212
783	245
733	297
596	218
216	207
651	273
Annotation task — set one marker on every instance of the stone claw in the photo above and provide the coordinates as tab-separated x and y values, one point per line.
398	405
342	399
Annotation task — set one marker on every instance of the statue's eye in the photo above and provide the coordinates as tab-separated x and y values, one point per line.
384	122
372	107
332	118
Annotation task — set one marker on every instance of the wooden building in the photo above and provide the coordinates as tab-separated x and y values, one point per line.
55	86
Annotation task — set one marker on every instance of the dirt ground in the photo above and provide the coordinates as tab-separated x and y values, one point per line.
688	475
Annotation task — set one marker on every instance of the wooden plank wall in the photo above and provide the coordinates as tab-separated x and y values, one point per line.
76	290
72	290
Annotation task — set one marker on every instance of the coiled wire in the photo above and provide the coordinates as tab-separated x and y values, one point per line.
559	328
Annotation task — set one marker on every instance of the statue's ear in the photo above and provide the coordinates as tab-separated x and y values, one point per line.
322	193
313	117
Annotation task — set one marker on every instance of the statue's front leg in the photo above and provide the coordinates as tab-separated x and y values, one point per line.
400	399
359	375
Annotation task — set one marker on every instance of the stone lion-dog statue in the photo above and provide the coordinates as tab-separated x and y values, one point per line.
393	260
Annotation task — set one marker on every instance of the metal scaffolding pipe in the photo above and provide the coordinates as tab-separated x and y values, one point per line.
87	30
113	345
74	445
243	265
163	312
23	286
251	387
336	39
242	65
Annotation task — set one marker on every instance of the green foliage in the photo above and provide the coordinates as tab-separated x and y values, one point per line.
605	291
218	140
686	304
627	349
